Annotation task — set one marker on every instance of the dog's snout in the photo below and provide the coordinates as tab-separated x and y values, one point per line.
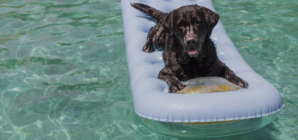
191	42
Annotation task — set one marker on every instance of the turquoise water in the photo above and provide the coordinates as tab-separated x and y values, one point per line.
63	72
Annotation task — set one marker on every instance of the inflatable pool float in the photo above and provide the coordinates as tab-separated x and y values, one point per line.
193	115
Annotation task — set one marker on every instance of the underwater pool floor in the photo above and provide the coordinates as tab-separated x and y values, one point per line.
63	71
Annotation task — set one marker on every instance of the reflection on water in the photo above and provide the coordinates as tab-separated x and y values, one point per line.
63	71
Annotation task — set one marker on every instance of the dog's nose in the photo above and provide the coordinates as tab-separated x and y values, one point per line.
191	42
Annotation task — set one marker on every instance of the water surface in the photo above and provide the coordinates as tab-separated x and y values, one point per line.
63	71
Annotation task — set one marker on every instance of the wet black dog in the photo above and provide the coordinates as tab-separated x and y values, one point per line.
189	51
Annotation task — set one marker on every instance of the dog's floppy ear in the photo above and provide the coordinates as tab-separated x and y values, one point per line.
211	18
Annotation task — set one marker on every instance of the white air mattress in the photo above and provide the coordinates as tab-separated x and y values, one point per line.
150	96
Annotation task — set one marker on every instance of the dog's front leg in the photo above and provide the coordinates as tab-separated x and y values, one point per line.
174	83
232	77
172	67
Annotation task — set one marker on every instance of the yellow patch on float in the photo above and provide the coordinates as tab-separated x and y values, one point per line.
208	89
207	85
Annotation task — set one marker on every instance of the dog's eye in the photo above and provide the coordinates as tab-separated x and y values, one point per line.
180	25
198	22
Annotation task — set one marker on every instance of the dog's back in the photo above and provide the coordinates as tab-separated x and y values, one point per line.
157	35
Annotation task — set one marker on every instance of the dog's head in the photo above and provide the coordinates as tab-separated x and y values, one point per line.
191	25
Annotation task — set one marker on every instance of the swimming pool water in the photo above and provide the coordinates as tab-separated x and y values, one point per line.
63	72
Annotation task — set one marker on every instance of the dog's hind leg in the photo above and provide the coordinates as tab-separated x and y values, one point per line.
156	38
160	37
149	43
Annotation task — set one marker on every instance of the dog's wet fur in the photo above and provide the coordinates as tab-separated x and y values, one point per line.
189	52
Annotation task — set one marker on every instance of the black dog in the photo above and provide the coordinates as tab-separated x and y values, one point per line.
189	51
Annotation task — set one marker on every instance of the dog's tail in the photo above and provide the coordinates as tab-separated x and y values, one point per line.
156	14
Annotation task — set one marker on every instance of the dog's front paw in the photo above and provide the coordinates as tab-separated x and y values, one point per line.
238	81
148	48
176	86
